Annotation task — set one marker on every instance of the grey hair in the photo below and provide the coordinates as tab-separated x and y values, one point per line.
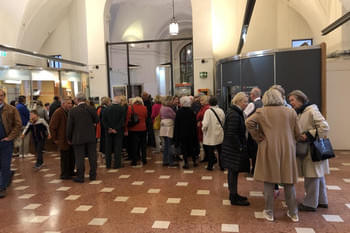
185	101
256	92
272	97
81	97
300	96
239	97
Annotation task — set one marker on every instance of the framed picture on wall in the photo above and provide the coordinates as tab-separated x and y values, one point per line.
119	90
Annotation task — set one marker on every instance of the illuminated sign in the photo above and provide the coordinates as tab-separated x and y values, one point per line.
3	53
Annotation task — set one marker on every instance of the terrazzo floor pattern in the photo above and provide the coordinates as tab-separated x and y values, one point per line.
153	198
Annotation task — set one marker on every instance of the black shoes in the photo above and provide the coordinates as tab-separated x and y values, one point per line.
302	207
239	200
77	180
2	193
185	166
322	206
238	197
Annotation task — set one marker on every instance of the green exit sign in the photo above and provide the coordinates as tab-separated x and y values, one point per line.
3	53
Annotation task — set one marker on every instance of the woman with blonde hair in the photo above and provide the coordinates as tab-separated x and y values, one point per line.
234	154
204	101
137	130
314	173
275	128
155	117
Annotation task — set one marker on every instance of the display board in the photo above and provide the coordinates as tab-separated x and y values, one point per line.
299	68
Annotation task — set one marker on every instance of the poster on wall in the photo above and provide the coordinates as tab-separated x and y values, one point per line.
120	90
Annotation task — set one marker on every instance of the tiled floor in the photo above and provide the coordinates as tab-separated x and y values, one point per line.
153	198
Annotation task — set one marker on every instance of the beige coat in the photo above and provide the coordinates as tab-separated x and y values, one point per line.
166	128
275	128
213	132
310	117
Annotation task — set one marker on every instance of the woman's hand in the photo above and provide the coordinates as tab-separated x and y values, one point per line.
303	137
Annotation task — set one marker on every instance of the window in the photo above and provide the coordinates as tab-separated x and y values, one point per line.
186	64
54	64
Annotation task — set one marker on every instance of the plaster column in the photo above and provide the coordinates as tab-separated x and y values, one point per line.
96	47
202	45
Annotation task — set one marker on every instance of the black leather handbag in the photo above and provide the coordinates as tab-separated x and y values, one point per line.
321	149
134	118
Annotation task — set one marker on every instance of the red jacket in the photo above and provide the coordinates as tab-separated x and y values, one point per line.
141	112
200	116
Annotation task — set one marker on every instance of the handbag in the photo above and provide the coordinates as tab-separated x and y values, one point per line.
321	149
156	123
302	148
134	118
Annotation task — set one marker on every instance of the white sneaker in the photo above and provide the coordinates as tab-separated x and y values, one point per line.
294	218
268	216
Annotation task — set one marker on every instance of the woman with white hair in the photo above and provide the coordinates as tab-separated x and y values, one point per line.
234	155
185	134
275	128
137	130
310	119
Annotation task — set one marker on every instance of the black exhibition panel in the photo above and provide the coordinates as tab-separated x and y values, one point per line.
231	75
300	70
257	72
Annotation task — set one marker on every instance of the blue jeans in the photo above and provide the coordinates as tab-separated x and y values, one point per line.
6	149
167	152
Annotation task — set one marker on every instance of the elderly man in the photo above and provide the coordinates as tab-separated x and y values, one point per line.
113	120
81	134
10	127
255	96
58	126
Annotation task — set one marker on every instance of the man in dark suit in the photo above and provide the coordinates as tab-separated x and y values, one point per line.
81	134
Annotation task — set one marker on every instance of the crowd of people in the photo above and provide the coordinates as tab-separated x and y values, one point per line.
259	138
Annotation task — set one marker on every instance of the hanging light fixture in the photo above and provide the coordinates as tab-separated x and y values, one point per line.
173	26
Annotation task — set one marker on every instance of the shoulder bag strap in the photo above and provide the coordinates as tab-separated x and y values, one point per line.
217	117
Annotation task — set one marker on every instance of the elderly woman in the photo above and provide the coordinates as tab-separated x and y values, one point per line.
275	128
234	154
213	132
100	129
137	132
204	101
167	118
156	120
185	134
310	118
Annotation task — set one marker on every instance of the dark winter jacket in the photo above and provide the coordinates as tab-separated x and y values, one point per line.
185	126
234	147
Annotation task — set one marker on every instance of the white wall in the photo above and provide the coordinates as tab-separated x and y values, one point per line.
59	41
338	95
77	15
96	46
202	43
274	24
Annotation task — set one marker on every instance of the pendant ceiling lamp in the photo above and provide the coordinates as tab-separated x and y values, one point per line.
173	26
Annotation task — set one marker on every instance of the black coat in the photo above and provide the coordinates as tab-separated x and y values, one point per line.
234	147
81	125
185	126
